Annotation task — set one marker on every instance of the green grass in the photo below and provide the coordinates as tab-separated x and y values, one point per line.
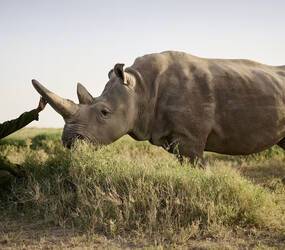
139	194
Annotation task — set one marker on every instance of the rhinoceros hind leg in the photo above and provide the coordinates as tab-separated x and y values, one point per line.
282	143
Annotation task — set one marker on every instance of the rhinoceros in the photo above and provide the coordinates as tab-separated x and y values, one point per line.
183	103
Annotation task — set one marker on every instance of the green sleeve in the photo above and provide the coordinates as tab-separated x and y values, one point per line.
10	127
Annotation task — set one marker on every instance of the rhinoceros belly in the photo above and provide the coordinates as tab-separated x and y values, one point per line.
243	132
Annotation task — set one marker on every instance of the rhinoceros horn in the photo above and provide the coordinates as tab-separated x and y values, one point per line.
64	107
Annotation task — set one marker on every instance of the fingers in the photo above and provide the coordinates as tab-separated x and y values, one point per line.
42	104
43	101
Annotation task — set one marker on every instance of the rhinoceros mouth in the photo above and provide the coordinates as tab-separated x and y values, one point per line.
70	141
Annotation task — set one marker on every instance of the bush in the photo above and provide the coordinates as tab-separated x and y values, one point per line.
107	190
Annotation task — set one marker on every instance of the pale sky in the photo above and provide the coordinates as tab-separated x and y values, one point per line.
64	42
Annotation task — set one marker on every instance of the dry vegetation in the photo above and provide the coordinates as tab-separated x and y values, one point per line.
134	195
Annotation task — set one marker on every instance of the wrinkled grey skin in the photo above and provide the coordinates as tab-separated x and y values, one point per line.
183	103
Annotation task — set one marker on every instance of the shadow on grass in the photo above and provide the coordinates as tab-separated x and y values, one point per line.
42	141
13	142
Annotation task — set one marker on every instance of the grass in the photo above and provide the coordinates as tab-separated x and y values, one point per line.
132	194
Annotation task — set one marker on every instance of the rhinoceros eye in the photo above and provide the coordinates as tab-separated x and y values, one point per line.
105	112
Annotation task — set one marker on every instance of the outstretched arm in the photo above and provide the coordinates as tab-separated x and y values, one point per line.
10	127
5	165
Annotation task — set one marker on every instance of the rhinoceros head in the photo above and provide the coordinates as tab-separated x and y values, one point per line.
100	120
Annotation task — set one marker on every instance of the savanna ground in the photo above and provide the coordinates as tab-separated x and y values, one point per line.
134	195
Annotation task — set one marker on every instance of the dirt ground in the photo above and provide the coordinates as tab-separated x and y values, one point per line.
24	235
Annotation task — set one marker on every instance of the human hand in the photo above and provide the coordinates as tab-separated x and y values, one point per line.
42	104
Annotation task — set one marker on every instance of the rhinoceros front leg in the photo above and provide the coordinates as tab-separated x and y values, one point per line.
192	154
187	150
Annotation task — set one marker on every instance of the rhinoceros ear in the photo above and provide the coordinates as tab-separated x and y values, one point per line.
84	96
110	73
119	72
